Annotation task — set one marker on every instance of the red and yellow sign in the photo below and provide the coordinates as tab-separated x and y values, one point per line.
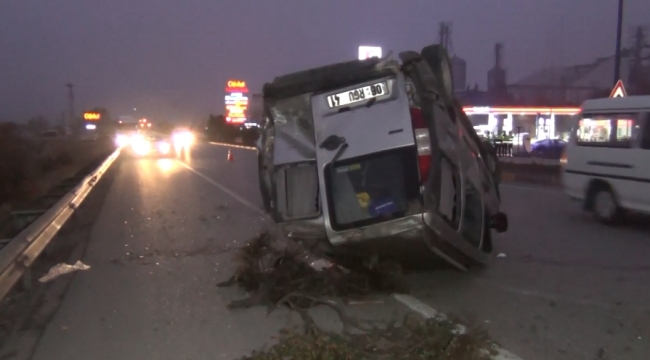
236	84
92	116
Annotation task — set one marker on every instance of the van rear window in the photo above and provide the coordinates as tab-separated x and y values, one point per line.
373	188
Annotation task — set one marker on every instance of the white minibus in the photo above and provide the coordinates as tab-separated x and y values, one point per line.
607	160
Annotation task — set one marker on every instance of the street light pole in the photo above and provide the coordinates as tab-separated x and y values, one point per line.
619	34
71	105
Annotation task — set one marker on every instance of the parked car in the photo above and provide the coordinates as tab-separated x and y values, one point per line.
548	148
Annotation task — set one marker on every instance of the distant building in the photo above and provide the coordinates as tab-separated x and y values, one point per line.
496	77
569	85
458	73
473	96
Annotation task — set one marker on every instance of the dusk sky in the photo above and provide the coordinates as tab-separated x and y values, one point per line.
171	58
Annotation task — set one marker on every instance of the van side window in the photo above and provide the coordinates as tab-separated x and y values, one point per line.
645	137
607	130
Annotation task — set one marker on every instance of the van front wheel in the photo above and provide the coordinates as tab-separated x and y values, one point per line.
605	207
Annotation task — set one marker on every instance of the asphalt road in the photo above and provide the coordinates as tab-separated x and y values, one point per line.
163	238
566	288
157	249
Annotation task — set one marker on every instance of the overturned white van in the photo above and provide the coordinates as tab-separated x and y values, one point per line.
378	149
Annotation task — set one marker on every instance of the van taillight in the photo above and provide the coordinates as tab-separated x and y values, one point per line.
422	141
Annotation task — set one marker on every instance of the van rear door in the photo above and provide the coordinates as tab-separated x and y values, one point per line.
365	152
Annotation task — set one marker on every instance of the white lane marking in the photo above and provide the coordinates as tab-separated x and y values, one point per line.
546	296
428	312
221	187
418	306
232	145
411	302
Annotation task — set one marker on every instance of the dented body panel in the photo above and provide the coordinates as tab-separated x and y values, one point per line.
372	149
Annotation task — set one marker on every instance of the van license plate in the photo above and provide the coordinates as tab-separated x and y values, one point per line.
357	95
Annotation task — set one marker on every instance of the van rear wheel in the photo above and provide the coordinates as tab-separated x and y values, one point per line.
605	206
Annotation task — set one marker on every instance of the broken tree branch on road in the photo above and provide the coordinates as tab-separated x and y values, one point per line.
277	276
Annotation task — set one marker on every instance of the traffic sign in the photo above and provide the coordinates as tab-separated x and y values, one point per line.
618	90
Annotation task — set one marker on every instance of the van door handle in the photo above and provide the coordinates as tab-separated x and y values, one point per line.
339	153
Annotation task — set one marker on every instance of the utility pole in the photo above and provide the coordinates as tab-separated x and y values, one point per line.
71	104
619	34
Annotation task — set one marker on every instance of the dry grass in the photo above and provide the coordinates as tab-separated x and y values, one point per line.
413	340
25	163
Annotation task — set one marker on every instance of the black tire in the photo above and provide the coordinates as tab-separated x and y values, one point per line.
437	58
603	204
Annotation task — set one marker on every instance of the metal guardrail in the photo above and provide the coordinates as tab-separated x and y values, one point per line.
20	253
504	149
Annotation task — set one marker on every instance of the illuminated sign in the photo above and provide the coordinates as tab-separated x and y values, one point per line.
92	116
236	101
236	84
521	110
367	52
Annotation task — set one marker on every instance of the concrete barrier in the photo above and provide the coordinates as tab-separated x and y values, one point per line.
530	170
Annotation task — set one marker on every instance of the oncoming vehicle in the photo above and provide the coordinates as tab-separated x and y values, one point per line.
148	144
607	159
369	150
182	138
124	132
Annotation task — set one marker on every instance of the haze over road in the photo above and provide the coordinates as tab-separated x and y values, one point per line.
566	288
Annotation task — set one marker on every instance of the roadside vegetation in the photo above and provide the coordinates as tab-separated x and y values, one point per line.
33	160
281	276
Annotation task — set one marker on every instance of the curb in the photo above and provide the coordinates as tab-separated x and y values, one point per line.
428	312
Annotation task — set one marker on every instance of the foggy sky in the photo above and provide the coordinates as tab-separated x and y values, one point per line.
171	58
